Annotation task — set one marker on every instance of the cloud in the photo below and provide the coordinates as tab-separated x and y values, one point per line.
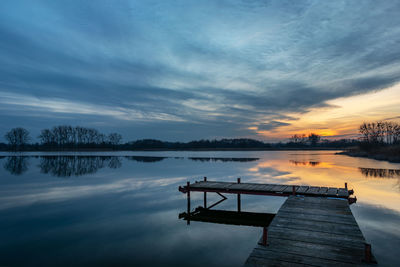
271	125
192	62
69	107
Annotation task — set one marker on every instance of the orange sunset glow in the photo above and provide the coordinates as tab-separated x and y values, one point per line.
341	117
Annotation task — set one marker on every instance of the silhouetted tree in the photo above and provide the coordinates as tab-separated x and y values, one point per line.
114	139
380	132
17	137
314	139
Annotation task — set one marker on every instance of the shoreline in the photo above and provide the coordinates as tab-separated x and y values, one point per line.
176	149
377	156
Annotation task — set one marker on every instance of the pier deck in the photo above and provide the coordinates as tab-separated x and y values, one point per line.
266	189
310	231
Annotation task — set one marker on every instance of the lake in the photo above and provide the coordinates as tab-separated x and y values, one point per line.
122	208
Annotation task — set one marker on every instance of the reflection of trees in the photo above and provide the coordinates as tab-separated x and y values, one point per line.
64	166
16	165
380	173
145	159
114	163
304	163
224	159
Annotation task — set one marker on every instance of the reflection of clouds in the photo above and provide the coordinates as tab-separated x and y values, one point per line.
28	196
380	227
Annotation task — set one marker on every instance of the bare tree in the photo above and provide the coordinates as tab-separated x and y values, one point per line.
114	138
380	132
17	137
314	138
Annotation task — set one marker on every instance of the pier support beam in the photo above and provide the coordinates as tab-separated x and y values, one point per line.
238	198
188	201
265	237
368	256
205	195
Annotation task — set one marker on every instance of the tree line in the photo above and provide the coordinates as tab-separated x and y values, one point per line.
380	132
68	136
311	139
61	137
65	137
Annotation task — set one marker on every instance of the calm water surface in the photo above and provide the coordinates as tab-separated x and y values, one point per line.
122	208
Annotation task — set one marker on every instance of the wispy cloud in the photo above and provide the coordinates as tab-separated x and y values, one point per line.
57	105
193	62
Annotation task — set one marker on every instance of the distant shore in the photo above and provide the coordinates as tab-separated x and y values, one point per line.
391	154
186	149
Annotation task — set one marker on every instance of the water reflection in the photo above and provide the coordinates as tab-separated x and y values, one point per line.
304	163
73	165
145	159
16	165
205	159
128	219
65	166
380	173
202	214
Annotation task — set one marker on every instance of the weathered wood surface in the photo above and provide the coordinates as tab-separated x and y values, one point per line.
266	189
310	231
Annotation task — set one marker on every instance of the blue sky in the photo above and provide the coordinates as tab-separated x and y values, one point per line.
184	70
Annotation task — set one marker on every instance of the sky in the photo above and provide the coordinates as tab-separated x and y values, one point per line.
188	70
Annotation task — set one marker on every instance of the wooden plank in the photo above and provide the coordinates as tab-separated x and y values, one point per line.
342	192
349	255
323	190
254	187
326	227
319	203
325	206
319	211
295	258
259	188
313	190
255	261
267	187
316	237
317	218
278	188
289	188
332	191
302	189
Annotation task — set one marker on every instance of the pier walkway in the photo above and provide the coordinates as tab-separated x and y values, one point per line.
266	189
314	226
309	231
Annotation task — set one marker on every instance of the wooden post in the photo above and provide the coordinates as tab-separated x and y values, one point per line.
368	252
205	195
294	191
265	237
188	201
238	198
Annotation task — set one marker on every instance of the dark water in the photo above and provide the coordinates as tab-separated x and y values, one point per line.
122	208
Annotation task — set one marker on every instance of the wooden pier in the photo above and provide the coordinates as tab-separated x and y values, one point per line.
314	226
266	189
310	231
